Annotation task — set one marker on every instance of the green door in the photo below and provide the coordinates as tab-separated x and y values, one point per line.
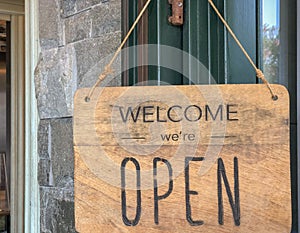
204	37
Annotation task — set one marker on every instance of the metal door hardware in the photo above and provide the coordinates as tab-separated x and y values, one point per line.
177	12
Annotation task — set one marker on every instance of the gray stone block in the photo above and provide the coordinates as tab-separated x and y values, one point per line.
93	54
62	153
57	169
93	21
68	7
72	7
51	33
78	27
106	18
43	139
45	172
82	5
55	82
57	210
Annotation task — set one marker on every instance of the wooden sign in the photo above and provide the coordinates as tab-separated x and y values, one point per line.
182	159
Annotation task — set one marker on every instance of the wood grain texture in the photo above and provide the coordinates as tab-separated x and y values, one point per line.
256	133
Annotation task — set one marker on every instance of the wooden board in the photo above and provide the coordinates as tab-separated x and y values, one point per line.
182	159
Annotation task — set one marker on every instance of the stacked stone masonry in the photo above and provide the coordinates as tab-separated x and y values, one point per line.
76	37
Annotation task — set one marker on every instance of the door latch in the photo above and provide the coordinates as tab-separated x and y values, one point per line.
177	12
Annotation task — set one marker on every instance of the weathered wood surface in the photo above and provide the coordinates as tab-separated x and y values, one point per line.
254	129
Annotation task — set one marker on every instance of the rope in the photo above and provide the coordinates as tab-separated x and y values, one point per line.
259	73
108	70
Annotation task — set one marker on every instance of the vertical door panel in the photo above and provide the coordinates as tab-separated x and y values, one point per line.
195	41
204	37
129	59
241	16
216	44
161	32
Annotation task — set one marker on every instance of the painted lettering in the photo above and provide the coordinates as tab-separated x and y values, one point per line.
189	192
191	137
235	204
164	196
158	110
197	113
177	113
218	112
136	220
230	111
131	113
178	137
234	200
147	113
169	114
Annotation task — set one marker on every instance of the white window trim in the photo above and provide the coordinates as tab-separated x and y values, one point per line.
32	199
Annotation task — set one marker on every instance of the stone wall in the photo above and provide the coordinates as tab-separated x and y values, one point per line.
74	36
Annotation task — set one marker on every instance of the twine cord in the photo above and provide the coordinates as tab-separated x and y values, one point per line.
258	71
108	70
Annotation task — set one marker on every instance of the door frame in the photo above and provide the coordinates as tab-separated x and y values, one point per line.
17	123
24	191
32	199
17	129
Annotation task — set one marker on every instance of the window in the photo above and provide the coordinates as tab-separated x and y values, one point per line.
270	39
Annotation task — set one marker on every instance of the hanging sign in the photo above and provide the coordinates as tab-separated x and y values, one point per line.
182	159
